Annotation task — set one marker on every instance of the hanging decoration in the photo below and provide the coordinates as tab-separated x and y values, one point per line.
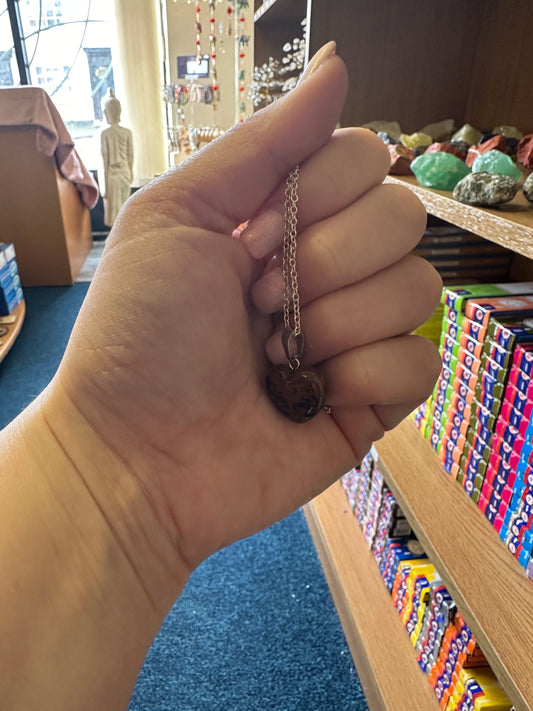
229	11
213	53
242	40
198	28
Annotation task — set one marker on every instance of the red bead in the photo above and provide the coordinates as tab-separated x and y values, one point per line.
198	8
242	19
242	55
241	88
215	87
211	19
229	10
213	56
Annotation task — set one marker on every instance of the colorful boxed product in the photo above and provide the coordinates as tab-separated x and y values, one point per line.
524	358
507	332
479	310
10	290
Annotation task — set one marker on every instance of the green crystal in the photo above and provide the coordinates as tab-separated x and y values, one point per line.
496	162
441	171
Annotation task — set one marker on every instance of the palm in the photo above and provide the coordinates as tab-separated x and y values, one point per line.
194	403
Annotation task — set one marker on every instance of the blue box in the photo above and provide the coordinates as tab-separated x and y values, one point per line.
10	290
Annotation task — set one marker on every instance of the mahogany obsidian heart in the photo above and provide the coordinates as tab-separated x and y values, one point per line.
298	394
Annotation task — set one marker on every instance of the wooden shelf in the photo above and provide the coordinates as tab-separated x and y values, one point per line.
7	341
510	225
489	586
392	680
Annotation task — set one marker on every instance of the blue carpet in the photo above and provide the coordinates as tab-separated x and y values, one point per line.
255	629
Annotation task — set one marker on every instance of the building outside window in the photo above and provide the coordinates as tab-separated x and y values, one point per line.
68	48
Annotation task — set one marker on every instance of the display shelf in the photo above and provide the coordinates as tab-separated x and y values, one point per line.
509	225
6	342
488	585
275	23
285	10
392	680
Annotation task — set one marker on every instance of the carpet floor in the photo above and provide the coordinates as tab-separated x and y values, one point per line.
255	629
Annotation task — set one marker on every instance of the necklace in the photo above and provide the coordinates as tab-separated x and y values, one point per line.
298	393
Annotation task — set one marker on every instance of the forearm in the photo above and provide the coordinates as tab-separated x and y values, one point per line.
81	596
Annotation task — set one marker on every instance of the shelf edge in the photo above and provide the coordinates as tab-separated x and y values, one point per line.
371	623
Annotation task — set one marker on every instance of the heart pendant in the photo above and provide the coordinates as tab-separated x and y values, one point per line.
298	394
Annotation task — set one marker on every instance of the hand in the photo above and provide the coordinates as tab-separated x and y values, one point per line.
167	360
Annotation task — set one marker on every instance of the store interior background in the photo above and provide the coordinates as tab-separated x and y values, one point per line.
138	44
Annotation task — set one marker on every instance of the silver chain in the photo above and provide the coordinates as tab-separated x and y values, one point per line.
291	296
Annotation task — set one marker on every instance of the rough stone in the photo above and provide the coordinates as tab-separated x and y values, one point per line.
512	145
524	151
419	150
486	189
441	171
400	159
440	131
496	162
496	143
414	140
460	145
390	127
445	147
468	134
508	131
528	188
387	138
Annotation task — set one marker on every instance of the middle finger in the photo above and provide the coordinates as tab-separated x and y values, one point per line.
372	233
394	301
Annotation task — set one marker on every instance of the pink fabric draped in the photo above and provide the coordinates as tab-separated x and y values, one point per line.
31	106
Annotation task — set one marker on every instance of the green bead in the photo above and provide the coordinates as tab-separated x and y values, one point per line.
496	162
441	171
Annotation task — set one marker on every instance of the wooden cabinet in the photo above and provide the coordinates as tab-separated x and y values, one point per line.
417	62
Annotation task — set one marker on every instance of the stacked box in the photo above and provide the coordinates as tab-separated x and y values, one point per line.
511	475
403	587
10	289
443	644
459	650
436	618
509	436
370	520
351	482
454	300
391	525
394	553
461	256
478	689
364	487
484	321
478	383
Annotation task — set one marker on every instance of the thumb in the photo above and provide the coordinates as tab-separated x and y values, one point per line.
229	179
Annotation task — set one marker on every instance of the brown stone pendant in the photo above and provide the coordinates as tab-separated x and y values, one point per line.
298	394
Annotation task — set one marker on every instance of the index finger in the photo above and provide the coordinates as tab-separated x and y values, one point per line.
352	162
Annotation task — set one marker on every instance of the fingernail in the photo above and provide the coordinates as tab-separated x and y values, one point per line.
267	293
263	234
318	59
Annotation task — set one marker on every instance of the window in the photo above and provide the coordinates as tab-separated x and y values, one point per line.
68	49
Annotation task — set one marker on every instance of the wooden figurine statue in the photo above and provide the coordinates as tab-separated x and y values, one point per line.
116	145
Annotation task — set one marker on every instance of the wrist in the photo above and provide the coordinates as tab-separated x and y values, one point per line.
88	573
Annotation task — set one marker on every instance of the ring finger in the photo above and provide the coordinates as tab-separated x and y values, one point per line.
394	301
